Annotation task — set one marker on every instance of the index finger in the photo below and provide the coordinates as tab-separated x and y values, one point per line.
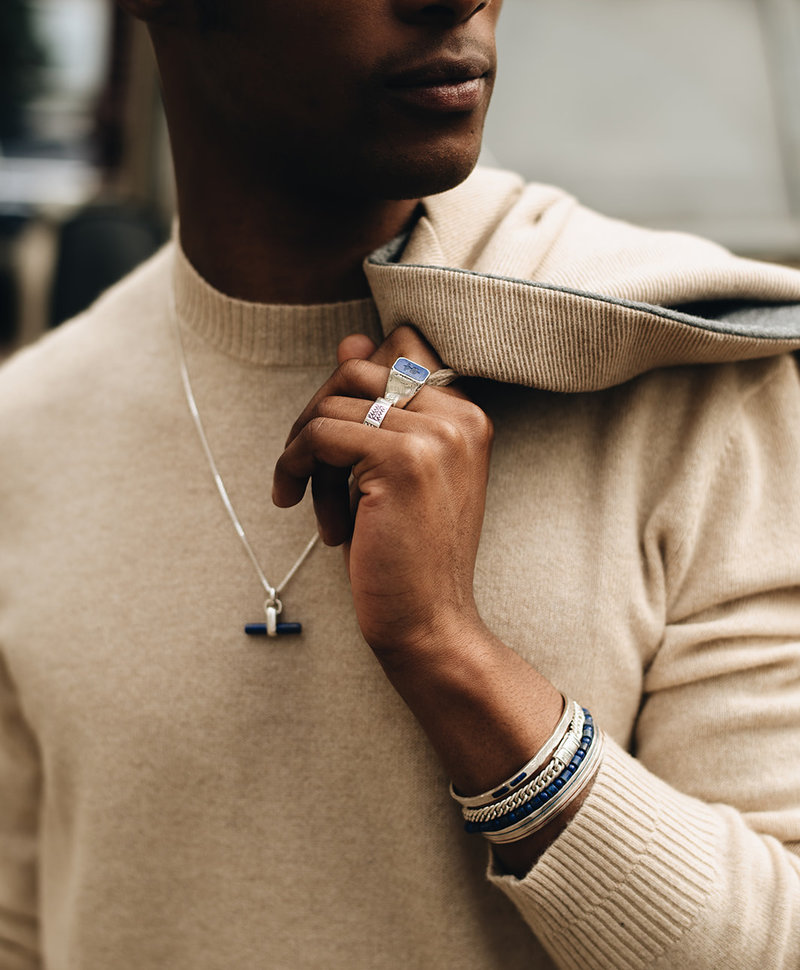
405	341
352	378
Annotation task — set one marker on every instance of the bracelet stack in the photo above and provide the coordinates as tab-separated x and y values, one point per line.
544	787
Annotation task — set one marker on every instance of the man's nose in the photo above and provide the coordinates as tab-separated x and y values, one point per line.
447	13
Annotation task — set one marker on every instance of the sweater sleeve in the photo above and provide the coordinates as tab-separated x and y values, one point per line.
688	854
19	797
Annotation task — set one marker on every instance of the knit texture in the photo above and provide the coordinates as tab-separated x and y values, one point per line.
562	298
175	794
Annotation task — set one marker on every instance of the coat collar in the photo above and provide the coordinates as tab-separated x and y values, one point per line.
521	284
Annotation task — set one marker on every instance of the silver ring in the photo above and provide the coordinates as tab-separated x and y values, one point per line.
405	378
377	412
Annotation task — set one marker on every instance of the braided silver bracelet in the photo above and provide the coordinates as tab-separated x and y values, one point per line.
565	752
557	774
555	805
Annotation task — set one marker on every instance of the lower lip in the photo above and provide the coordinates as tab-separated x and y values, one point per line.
464	96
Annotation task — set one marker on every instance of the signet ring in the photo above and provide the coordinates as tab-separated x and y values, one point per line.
405	378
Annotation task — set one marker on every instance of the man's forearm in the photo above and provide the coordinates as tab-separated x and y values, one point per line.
486	711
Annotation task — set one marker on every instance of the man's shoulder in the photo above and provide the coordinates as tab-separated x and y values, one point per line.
715	393
496	223
85	357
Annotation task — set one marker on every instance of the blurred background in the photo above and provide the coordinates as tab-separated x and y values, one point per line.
673	113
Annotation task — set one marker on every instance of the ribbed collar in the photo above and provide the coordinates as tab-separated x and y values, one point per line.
267	334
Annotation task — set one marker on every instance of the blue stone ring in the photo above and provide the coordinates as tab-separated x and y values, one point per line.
405	378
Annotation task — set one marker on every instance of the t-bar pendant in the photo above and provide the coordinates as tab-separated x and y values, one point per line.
272	628
260	629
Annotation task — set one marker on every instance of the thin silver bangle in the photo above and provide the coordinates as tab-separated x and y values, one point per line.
541	757
561	758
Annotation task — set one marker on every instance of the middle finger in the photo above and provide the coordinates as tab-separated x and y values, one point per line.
353	378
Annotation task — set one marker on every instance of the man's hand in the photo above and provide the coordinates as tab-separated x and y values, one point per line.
412	531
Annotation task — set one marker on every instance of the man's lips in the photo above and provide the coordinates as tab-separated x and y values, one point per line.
443	85
441	72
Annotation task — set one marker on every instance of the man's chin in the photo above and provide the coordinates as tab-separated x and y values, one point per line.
407	176
387	172
420	185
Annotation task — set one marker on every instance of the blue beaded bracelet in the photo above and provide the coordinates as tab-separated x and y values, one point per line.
558	783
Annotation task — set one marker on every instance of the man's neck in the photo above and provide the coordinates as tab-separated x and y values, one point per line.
275	249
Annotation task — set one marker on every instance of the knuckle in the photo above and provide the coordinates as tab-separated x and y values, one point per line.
351	369
419	455
316	430
325	408
407	341
401	336
478	423
450	436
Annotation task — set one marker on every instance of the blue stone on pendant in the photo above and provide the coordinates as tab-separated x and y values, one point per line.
260	629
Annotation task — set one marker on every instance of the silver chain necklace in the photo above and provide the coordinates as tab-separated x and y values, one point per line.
272	605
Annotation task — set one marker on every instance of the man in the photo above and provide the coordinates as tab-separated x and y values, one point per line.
178	794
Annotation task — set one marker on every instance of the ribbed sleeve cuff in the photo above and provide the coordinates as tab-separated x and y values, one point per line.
627	878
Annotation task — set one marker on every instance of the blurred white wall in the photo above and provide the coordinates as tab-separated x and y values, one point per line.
680	113
75	34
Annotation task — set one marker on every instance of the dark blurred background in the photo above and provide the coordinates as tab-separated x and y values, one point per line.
85	187
674	113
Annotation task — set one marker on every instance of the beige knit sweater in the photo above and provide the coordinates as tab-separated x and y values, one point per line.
176	795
